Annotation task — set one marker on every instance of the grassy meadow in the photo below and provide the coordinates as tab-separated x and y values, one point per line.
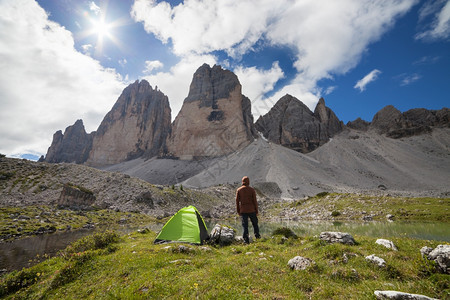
109	266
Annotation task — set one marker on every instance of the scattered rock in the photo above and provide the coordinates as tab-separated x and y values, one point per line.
143	231
400	296
382	187
182	261
205	249
386	243
222	235
183	249
390	217
88	226
337	237
240	239
367	218
441	255
424	251
123	220
300	263
376	260
75	197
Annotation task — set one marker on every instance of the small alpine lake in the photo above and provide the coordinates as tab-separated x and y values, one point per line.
29	251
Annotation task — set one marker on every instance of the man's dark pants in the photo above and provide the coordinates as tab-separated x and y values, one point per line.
254	220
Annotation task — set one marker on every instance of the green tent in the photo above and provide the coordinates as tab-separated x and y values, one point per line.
186	225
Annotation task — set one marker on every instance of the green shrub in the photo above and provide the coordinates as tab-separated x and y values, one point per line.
284	231
6	175
92	242
335	213
72	270
322	194
18	280
83	189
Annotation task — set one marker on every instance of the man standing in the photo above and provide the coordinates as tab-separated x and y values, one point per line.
247	207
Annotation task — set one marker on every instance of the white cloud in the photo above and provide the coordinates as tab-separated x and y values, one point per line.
256	82
440	26
45	84
362	83
201	26
123	62
94	7
151	65
407	79
329	37
175	83
86	48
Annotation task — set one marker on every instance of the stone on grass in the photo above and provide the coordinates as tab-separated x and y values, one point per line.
400	296
337	237
240	239
424	251
222	235
180	261
441	255
376	260
390	217
387	243
300	263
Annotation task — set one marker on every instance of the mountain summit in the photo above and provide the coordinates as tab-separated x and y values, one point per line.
292	124
215	118
137	125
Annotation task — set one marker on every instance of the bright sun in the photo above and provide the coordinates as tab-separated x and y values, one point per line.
101	28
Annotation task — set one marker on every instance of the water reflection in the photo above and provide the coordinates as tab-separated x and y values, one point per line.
23	253
418	230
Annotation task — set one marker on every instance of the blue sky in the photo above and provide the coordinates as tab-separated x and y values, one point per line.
64	60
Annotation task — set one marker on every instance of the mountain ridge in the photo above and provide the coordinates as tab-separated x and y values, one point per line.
297	152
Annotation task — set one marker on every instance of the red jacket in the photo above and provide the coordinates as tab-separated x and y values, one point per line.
246	200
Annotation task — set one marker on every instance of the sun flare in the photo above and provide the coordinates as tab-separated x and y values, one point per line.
101	28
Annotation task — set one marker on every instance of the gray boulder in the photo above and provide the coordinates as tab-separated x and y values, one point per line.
441	255
337	237
400	296
222	235
300	263
387	243
376	260
424	251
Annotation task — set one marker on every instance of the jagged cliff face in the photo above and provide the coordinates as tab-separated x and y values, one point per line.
136	126
292	124
215	118
395	124
73	146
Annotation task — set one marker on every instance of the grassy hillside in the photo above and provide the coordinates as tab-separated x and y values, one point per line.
334	206
107	266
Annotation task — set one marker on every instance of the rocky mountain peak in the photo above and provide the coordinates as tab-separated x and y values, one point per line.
137	125
215	118
359	124
72	146
292	124
327	116
210	84
388	118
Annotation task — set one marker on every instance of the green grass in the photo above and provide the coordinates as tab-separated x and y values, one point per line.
131	267
352	206
60	219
